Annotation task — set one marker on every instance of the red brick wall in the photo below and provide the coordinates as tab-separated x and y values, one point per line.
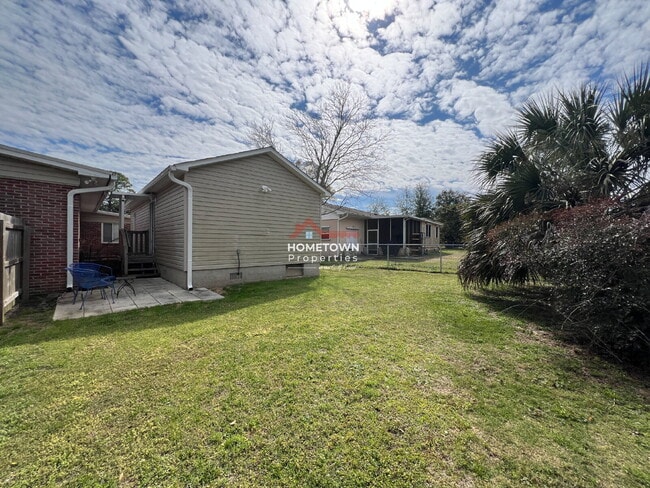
91	245
43	206
91	239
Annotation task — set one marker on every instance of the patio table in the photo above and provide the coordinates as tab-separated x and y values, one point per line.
125	281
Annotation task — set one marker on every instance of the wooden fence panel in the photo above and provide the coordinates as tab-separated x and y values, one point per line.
14	275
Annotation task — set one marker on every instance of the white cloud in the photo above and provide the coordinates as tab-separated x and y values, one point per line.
132	87
440	154
489	109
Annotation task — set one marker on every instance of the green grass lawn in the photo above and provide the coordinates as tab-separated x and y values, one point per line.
445	261
362	377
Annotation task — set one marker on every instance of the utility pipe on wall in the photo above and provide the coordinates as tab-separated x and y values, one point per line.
70	221
188	224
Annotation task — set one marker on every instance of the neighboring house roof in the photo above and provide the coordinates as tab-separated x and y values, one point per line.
328	208
338	209
269	151
80	169
80	175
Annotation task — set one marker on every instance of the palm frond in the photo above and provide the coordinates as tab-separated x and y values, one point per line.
584	125
501	158
538	121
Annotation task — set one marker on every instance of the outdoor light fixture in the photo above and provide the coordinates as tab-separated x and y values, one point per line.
265	189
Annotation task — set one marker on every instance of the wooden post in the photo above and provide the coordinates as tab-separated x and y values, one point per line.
2	272
27	237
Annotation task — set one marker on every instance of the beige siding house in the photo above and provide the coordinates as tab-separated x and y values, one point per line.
379	234
230	219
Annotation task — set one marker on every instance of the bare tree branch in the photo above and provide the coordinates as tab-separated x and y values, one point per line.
263	135
341	146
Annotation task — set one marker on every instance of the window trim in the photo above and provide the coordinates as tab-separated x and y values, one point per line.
115	233
324	233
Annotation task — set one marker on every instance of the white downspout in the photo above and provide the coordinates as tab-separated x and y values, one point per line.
70	221
339	217
188	225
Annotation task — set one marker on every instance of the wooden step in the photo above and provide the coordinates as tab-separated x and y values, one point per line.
140	258
142	266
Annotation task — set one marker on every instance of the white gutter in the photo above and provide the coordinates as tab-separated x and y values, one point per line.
70	221
188	224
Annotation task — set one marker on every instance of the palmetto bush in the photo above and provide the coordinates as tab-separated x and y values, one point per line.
594	262
565	201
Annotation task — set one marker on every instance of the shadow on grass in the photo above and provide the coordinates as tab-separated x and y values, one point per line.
32	323
531	304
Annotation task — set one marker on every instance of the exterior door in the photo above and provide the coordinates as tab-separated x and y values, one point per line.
372	240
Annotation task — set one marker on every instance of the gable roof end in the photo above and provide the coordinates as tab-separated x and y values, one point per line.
276	156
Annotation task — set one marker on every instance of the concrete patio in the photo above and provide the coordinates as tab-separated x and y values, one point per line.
149	292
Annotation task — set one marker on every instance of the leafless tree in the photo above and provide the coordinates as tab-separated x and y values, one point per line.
341	145
263	135
379	206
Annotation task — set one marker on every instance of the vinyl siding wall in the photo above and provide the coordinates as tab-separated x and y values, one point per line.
345	228
433	240
232	213
140	216
170	227
24	170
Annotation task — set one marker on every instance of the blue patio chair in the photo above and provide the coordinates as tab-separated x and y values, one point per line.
105	272
87	277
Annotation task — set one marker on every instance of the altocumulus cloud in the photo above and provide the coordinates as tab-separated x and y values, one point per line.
132	86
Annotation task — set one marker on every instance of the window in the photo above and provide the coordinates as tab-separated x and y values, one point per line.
428	230
437	232
110	233
325	233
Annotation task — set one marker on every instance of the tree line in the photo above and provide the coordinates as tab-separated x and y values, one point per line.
447	208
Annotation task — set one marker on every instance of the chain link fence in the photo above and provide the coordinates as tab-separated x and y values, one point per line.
410	257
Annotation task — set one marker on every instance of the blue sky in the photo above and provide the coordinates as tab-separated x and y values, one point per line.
133	86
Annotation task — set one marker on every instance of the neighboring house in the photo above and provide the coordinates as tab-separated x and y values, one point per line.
100	237
227	219
379	234
53	197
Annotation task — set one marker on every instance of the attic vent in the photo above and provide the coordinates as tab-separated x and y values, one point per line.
235	276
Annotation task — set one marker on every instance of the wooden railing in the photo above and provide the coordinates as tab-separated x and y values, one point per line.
138	242
14	272
134	243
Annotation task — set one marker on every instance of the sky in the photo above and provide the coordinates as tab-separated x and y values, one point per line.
133	86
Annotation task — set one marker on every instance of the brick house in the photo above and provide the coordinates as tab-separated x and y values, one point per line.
99	238
54	197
